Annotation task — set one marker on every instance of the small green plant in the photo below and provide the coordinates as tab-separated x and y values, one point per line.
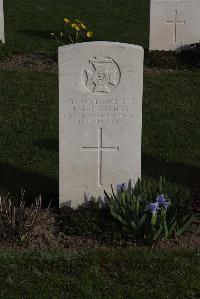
73	32
150	213
127	206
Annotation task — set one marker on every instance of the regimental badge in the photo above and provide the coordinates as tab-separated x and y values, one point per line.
102	76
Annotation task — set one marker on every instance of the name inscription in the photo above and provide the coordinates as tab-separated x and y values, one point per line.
99	111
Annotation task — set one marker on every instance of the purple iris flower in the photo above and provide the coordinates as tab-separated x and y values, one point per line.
153	207
121	187
162	201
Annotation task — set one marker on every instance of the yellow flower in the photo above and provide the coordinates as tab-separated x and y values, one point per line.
89	34
75	26
83	26
66	21
61	34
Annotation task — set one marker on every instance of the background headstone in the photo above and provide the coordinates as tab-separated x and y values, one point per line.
174	23
100	118
2	38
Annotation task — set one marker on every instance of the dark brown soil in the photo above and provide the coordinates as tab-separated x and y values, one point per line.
29	62
190	240
41	63
47	235
157	71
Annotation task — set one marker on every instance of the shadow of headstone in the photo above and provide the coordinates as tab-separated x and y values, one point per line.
13	179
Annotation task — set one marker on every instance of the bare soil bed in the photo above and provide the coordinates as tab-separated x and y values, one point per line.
49	235
29	62
42	63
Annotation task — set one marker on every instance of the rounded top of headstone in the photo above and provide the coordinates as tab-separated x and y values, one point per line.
102	43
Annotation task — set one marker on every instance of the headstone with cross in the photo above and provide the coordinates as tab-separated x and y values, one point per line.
2	38
100	118
174	24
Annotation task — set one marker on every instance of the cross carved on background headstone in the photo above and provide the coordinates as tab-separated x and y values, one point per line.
175	22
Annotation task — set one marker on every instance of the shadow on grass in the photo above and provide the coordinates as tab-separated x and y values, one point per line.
13	179
174	172
47	144
37	33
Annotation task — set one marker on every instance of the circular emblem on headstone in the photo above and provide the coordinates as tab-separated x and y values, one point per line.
101	76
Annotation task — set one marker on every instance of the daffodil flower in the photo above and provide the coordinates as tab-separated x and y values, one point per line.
89	34
67	21
75	26
83	26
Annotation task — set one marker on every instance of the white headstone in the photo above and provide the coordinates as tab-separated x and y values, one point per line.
174	23
100	118
2	38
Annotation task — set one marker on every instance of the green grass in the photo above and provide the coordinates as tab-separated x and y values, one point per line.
117	274
29	130
28	23
171	118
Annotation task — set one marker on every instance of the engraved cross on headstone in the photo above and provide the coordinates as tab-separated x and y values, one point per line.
100	149
175	22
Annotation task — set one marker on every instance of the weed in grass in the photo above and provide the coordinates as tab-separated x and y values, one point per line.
16	220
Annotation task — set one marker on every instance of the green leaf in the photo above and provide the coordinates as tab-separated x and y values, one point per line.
128	195
153	219
129	187
161	185
123	211
113	193
185	226
141	221
165	230
119	218
172	228
133	225
157	235
123	197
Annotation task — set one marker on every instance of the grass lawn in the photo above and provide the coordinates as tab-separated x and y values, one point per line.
99	274
29	132
29	129
28	23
